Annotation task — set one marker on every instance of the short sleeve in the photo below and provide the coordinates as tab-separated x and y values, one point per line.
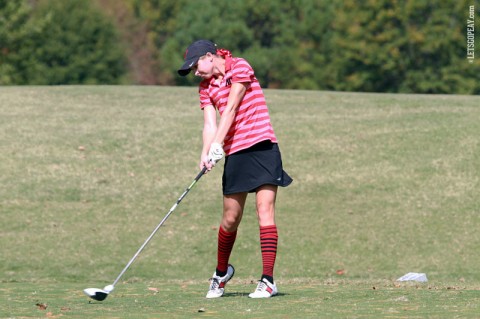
205	99
242	71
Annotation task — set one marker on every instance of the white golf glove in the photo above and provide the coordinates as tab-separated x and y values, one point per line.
215	153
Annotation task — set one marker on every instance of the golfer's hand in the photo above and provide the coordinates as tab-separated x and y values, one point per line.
204	162
215	153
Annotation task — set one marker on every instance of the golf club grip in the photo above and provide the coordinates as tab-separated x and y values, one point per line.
202	172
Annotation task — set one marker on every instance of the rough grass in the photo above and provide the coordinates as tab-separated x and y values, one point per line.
384	184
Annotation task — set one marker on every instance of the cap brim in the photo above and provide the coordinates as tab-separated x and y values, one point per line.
183	72
186	67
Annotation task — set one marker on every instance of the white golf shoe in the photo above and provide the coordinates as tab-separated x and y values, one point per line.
265	289
217	284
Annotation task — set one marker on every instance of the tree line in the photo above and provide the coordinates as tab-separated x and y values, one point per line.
410	46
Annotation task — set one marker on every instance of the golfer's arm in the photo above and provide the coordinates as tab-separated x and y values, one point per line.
237	92
209	127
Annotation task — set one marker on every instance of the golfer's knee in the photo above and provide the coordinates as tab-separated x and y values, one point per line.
230	222
266	214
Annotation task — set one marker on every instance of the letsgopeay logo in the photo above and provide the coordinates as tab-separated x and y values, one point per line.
471	34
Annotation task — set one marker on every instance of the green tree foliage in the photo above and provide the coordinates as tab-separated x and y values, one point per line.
17	41
376	45
161	18
72	43
273	35
372	45
142	64
81	45
401	46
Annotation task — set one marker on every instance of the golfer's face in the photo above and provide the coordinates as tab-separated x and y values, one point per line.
204	67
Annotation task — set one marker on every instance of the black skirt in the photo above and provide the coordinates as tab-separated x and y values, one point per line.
253	167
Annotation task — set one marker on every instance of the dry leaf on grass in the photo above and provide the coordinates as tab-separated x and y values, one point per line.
41	306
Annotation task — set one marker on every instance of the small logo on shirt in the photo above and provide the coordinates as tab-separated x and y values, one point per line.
229	81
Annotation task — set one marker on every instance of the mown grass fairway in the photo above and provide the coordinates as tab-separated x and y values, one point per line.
383	185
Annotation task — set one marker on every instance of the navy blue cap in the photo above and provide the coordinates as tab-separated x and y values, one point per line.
194	52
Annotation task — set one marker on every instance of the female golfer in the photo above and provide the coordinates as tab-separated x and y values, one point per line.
252	158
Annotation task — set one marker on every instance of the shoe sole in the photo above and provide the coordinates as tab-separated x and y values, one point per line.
272	295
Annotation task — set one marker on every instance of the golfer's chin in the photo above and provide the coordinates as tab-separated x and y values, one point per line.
204	76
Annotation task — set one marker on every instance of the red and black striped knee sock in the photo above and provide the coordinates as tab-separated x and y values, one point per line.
268	244
225	246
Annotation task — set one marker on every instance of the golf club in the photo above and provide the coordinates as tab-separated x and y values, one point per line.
101	294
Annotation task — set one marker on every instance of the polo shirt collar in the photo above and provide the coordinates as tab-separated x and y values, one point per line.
228	67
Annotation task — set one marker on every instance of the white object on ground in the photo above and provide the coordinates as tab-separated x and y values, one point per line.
414	276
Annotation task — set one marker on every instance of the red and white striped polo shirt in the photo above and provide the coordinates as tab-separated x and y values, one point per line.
252	121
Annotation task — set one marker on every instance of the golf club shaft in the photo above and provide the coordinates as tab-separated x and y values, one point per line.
202	172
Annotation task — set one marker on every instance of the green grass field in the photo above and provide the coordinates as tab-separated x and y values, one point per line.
384	184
